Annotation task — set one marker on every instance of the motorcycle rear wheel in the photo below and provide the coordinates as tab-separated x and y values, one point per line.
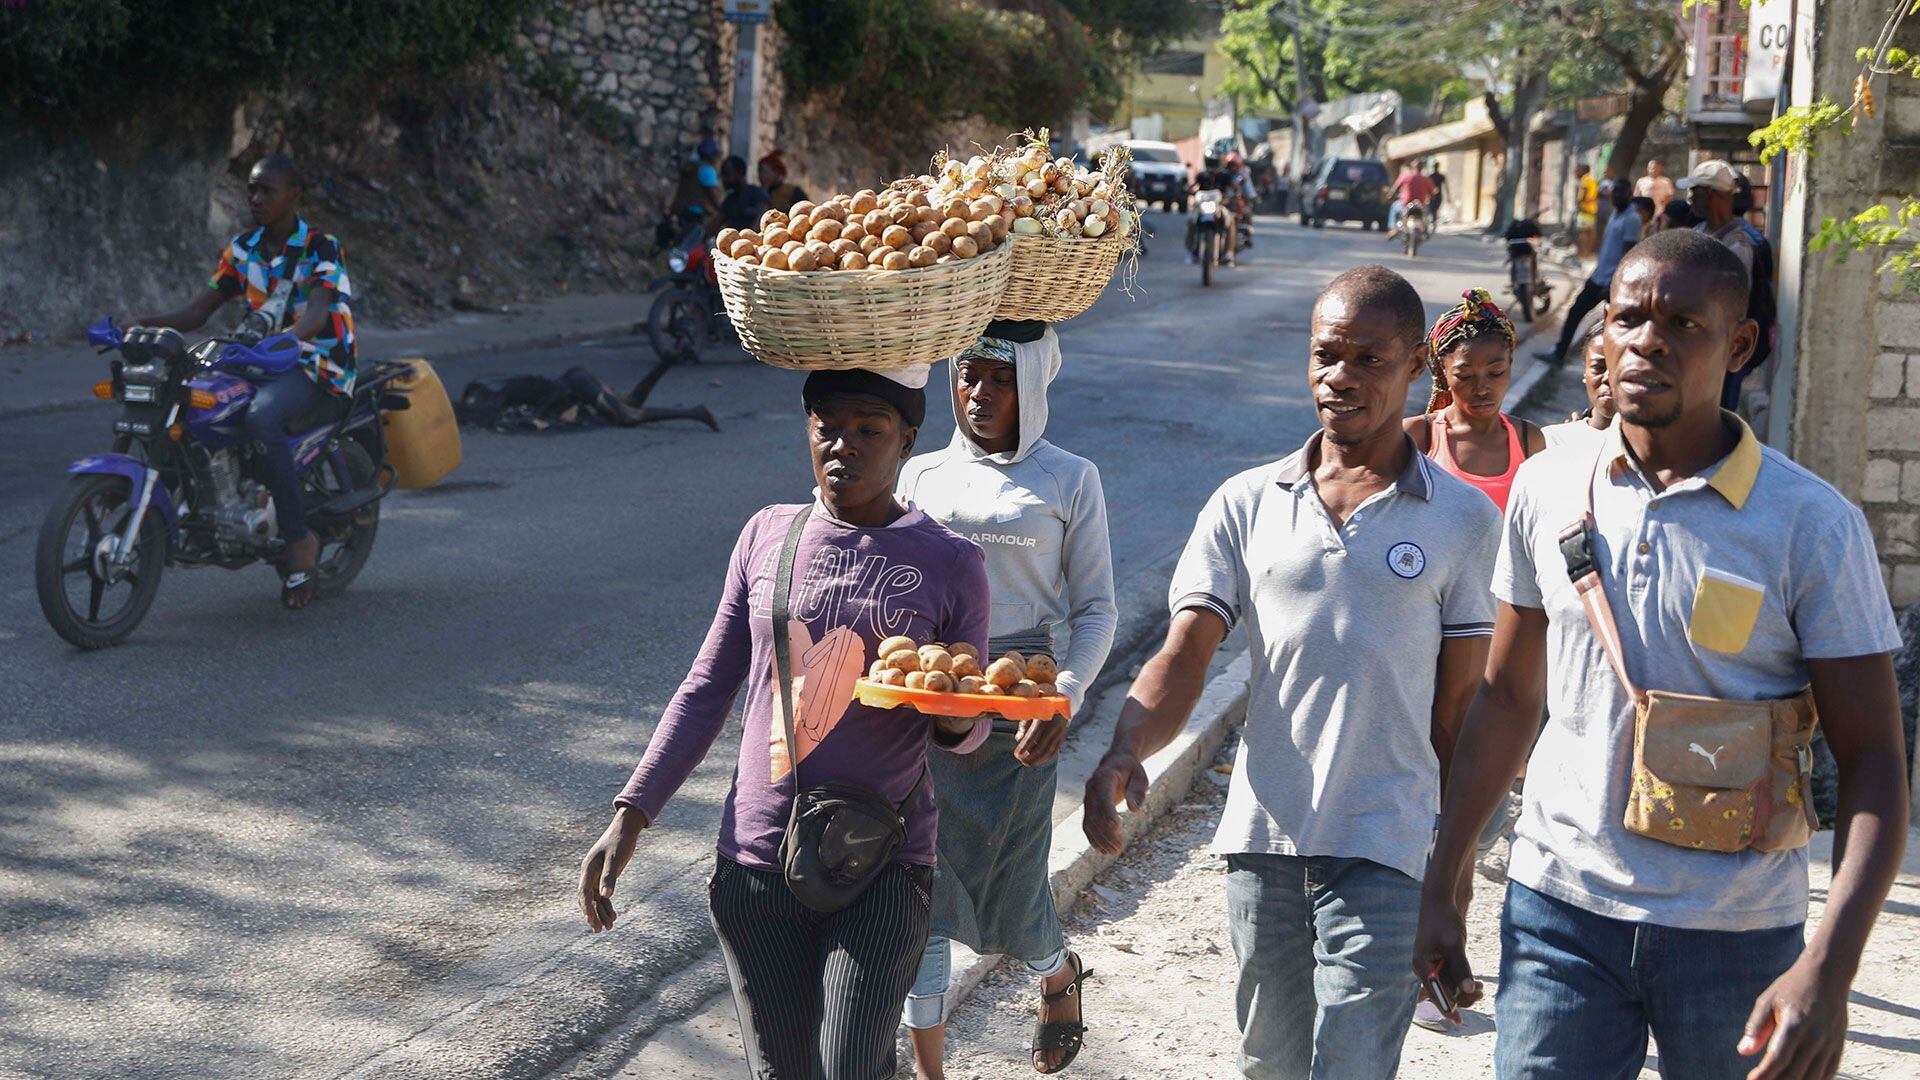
676	327
345	545
100	505
1522	301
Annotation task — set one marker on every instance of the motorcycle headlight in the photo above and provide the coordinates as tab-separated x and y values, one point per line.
677	262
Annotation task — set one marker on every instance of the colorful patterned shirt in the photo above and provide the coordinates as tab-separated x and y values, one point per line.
247	266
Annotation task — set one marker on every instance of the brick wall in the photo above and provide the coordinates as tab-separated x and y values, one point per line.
1890	491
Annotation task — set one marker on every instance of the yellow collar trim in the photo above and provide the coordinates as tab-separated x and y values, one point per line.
1733	478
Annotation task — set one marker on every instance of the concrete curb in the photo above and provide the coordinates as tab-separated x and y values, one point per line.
1073	863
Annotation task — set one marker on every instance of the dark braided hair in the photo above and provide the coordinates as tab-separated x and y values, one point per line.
1474	317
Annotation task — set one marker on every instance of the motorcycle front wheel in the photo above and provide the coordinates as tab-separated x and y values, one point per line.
676	327
88	600
1209	251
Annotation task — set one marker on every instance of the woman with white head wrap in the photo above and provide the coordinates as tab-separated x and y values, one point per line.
1040	515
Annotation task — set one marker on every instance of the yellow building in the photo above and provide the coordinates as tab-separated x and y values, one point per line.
1169	95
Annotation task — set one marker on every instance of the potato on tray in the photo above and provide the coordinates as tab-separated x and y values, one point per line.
942	680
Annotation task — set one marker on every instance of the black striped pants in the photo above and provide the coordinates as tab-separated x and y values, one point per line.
819	995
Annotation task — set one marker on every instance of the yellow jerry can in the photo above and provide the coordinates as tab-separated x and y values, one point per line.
423	439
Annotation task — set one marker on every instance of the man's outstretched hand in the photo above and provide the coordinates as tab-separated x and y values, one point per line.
603	864
1119	776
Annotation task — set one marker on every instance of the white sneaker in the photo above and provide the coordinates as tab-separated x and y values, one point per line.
1428	1015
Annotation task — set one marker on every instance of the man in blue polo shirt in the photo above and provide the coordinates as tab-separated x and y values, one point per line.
1361	572
1732	573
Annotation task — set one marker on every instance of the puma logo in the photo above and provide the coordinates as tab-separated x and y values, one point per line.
1713	759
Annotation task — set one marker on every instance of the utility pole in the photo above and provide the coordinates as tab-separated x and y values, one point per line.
1301	95
747	15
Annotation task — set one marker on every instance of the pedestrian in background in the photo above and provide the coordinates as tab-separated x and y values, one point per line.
1041	517
818	992
1710	190
1670	597
1588	424
1464	430
1361	571
1622	233
1587	207
1434	201
1656	186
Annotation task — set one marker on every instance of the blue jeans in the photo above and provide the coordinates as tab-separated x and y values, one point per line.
927	1001
275	403
1580	992
1325	990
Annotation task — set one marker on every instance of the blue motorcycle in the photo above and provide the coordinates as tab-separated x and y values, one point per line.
183	485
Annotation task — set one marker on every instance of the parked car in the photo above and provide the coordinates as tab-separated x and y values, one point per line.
1159	176
1346	189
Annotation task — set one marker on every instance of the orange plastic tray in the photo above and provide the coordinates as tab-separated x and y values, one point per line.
934	703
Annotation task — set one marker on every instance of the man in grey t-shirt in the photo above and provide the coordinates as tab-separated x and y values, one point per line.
1730	573
1361	571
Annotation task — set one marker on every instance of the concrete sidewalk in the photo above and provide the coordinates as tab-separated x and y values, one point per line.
52	378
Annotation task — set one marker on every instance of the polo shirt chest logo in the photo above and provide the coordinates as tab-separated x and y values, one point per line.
1406	559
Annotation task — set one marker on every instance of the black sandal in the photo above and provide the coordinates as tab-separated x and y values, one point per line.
1067	1035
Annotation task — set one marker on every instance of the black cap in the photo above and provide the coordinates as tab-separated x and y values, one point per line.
1022	331
909	401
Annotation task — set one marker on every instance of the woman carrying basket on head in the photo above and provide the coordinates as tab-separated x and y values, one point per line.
819	991
1040	515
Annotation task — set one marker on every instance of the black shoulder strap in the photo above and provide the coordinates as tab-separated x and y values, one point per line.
783	663
782	647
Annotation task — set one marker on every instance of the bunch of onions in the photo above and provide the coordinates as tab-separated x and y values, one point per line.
901	228
1048	196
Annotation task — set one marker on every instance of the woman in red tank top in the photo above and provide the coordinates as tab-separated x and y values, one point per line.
1470	353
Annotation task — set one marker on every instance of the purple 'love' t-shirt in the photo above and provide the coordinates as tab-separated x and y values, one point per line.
852	589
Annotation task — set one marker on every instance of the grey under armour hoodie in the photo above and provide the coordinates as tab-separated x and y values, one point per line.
1040	516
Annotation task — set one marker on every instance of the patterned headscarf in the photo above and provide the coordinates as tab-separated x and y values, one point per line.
990	348
1474	316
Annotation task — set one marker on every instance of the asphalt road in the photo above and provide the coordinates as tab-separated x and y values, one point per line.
343	842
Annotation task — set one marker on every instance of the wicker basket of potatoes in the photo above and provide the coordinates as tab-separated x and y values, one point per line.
943	680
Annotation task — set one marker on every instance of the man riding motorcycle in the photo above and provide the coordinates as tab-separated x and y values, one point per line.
1214	177
1411	188
294	277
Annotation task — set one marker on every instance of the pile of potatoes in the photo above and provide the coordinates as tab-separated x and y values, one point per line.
955	669
896	229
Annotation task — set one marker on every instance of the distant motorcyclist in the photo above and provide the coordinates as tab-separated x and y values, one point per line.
1410	188
1215	177
295	277
781	195
744	204
698	194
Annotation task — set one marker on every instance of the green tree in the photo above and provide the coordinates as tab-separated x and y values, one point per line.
1018	63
